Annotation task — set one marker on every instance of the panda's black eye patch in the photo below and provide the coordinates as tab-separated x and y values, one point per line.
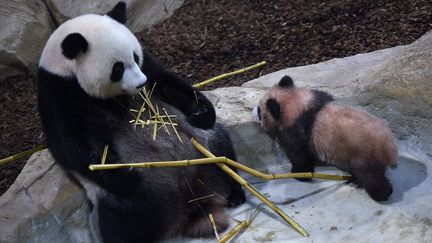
117	72
136	58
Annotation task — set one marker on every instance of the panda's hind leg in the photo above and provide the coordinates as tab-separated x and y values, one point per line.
374	181
199	224
221	145
126	221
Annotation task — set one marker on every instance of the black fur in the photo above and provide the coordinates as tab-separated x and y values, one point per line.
73	44
373	180
225	148
61	106
117	72
274	108
178	93
286	82
172	89
296	140
118	13
136	205
78	126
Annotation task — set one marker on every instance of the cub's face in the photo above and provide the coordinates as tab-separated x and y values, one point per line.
281	106
267	113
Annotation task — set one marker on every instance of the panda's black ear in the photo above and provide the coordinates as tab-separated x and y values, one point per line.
73	44
274	108
119	12
286	82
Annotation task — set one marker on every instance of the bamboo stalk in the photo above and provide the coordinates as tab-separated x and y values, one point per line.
172	124
152	89
225	75
251	189
147	122
22	154
161	119
212	221
228	162
141	110
154	131
201	198
196	97
272	176
159	164
243	224
104	155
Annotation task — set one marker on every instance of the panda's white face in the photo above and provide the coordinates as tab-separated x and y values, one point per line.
100	52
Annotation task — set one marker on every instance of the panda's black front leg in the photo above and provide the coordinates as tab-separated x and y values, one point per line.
302	160
180	94
302	164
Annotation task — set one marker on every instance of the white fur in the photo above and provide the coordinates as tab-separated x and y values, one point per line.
255	114
108	42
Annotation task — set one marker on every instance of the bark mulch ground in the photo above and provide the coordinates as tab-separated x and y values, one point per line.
207	38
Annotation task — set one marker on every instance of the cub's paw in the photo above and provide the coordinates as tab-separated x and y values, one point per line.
302	169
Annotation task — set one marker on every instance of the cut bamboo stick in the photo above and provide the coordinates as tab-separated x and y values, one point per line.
225	161
273	176
104	155
172	124
22	154
159	164
242	225
225	75
251	189
212	221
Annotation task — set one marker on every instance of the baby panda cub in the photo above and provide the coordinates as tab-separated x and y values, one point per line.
312	128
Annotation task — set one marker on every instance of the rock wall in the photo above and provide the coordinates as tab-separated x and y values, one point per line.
26	25
24	29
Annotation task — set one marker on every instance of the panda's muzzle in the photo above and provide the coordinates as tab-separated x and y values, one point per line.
133	80
140	86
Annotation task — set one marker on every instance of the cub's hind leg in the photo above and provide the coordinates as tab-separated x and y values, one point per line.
374	181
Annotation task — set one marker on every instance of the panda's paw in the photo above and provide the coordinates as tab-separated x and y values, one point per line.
201	114
236	197
302	168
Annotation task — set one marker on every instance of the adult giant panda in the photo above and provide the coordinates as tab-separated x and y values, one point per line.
89	68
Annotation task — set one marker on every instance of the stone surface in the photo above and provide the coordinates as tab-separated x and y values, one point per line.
43	205
26	25
141	14
393	84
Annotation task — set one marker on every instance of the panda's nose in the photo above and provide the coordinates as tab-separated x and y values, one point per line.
140	86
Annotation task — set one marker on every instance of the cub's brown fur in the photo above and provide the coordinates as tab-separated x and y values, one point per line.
312	128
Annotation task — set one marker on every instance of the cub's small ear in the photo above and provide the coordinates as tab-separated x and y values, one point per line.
118	13
286	82
274	108
73	44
